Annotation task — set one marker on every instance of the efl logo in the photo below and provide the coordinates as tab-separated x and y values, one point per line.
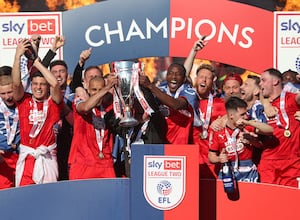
41	26
172	165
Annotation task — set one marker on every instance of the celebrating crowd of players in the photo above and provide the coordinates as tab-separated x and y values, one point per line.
54	131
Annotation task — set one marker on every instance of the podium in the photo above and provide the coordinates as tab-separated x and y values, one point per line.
164	166
164	184
114	199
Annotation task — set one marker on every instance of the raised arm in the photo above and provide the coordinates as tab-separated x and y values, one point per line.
77	75
189	61
175	103
16	72
260	127
94	100
57	43
55	91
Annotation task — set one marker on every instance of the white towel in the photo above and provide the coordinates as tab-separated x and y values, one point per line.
45	168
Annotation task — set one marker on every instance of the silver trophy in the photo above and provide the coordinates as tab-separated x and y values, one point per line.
123	69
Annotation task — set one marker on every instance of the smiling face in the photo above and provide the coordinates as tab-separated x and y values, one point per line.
232	88
249	90
60	73
204	82
175	77
40	88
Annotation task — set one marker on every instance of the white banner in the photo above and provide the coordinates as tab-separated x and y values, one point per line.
16	26
287	41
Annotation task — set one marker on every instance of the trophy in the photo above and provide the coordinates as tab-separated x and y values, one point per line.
30	53
124	91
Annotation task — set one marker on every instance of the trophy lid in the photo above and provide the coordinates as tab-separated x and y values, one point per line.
119	66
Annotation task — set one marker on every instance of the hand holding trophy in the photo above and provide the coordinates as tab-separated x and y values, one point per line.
30	53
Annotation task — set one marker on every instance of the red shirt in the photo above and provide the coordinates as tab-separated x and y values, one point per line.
84	147
46	135
284	147
218	110
180	124
219	141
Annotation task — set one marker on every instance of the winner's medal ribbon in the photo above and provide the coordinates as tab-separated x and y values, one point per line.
136	88
99	126
205	125
232	140
285	117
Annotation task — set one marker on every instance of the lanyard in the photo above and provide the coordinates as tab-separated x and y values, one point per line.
38	119
208	113
136	88
282	110
128	142
99	127
232	141
141	132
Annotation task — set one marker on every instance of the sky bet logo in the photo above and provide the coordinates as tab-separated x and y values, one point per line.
34	26
168	164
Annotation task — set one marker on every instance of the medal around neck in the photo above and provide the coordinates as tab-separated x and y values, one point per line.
101	155
287	133
203	134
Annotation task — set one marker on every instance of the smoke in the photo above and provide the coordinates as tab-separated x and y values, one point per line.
49	5
32	6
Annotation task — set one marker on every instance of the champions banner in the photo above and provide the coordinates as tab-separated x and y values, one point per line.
164	182
238	34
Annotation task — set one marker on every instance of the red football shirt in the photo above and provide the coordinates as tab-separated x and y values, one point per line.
218	110
46	135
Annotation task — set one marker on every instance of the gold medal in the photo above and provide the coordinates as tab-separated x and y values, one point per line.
203	135
101	155
287	133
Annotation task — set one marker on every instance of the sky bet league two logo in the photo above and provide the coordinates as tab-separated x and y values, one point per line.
16	26
13	30
164	181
